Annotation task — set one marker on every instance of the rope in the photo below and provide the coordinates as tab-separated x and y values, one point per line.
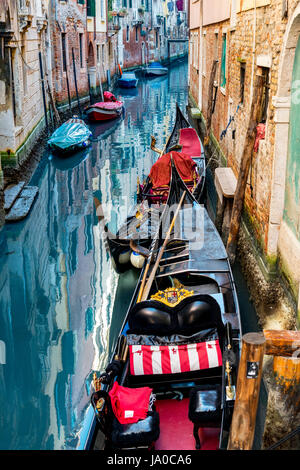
224	132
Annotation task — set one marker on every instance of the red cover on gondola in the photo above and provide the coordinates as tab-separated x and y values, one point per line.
129	404
149	360
190	142
160	173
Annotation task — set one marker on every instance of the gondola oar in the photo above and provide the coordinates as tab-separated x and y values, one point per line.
144	291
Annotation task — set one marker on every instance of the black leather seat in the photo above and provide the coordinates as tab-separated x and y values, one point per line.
205	408
141	434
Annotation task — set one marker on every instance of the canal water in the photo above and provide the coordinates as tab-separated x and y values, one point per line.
61	303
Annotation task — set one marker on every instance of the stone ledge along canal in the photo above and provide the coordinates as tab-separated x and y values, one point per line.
61	302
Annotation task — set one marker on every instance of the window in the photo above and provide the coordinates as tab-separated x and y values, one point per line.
130	3
98	54
265	95
136	34
127	33
63	47
124	3
223	63
102	9
156	39
242	81
81	49
81	2
91	8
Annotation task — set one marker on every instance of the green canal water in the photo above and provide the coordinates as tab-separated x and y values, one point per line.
61	303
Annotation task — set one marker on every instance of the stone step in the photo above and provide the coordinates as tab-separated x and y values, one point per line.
11	193
23	204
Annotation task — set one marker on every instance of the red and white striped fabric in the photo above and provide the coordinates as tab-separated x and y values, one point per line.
149	360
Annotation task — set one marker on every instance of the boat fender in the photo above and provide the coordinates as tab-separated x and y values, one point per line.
124	257
137	260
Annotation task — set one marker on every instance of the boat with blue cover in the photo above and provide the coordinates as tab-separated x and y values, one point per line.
71	136
128	80
155	69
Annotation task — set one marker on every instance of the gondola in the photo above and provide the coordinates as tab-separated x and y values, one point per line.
185	140
144	217
174	368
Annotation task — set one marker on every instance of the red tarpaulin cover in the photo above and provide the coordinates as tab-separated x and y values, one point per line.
190	142
160	173
129	404
108	96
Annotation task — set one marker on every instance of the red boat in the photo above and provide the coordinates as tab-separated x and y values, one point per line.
110	108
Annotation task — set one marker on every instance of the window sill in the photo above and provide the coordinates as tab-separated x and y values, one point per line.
223	90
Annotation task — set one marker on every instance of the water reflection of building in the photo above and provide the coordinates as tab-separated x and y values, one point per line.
56	298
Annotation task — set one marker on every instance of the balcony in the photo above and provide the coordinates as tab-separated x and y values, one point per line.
24	15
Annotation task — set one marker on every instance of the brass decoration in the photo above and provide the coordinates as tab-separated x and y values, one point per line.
172	296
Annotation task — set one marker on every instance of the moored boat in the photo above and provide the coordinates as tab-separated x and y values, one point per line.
105	110
128	80
186	141
71	136
176	360
153	194
155	69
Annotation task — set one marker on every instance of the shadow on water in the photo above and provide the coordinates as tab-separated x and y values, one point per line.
57	286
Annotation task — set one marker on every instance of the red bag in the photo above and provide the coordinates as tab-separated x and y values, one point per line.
129	404
148	360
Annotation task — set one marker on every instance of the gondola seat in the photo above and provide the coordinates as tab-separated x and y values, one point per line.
192	314
205	408
142	434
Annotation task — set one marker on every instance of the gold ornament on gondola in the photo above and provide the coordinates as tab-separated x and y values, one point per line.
172	296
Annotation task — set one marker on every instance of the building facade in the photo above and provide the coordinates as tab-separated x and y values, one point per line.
249	37
25	48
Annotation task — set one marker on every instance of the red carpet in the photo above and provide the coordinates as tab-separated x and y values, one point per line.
176	430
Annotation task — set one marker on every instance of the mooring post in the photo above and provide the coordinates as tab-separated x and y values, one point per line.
75	81
244	168
247	392
43	91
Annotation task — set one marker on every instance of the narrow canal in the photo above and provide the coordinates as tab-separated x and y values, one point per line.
59	317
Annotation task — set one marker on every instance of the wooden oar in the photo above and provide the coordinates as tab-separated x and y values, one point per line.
144	291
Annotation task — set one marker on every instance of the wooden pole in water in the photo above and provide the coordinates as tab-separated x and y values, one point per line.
247	392
244	169
68	89
210	100
75	80
43	91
